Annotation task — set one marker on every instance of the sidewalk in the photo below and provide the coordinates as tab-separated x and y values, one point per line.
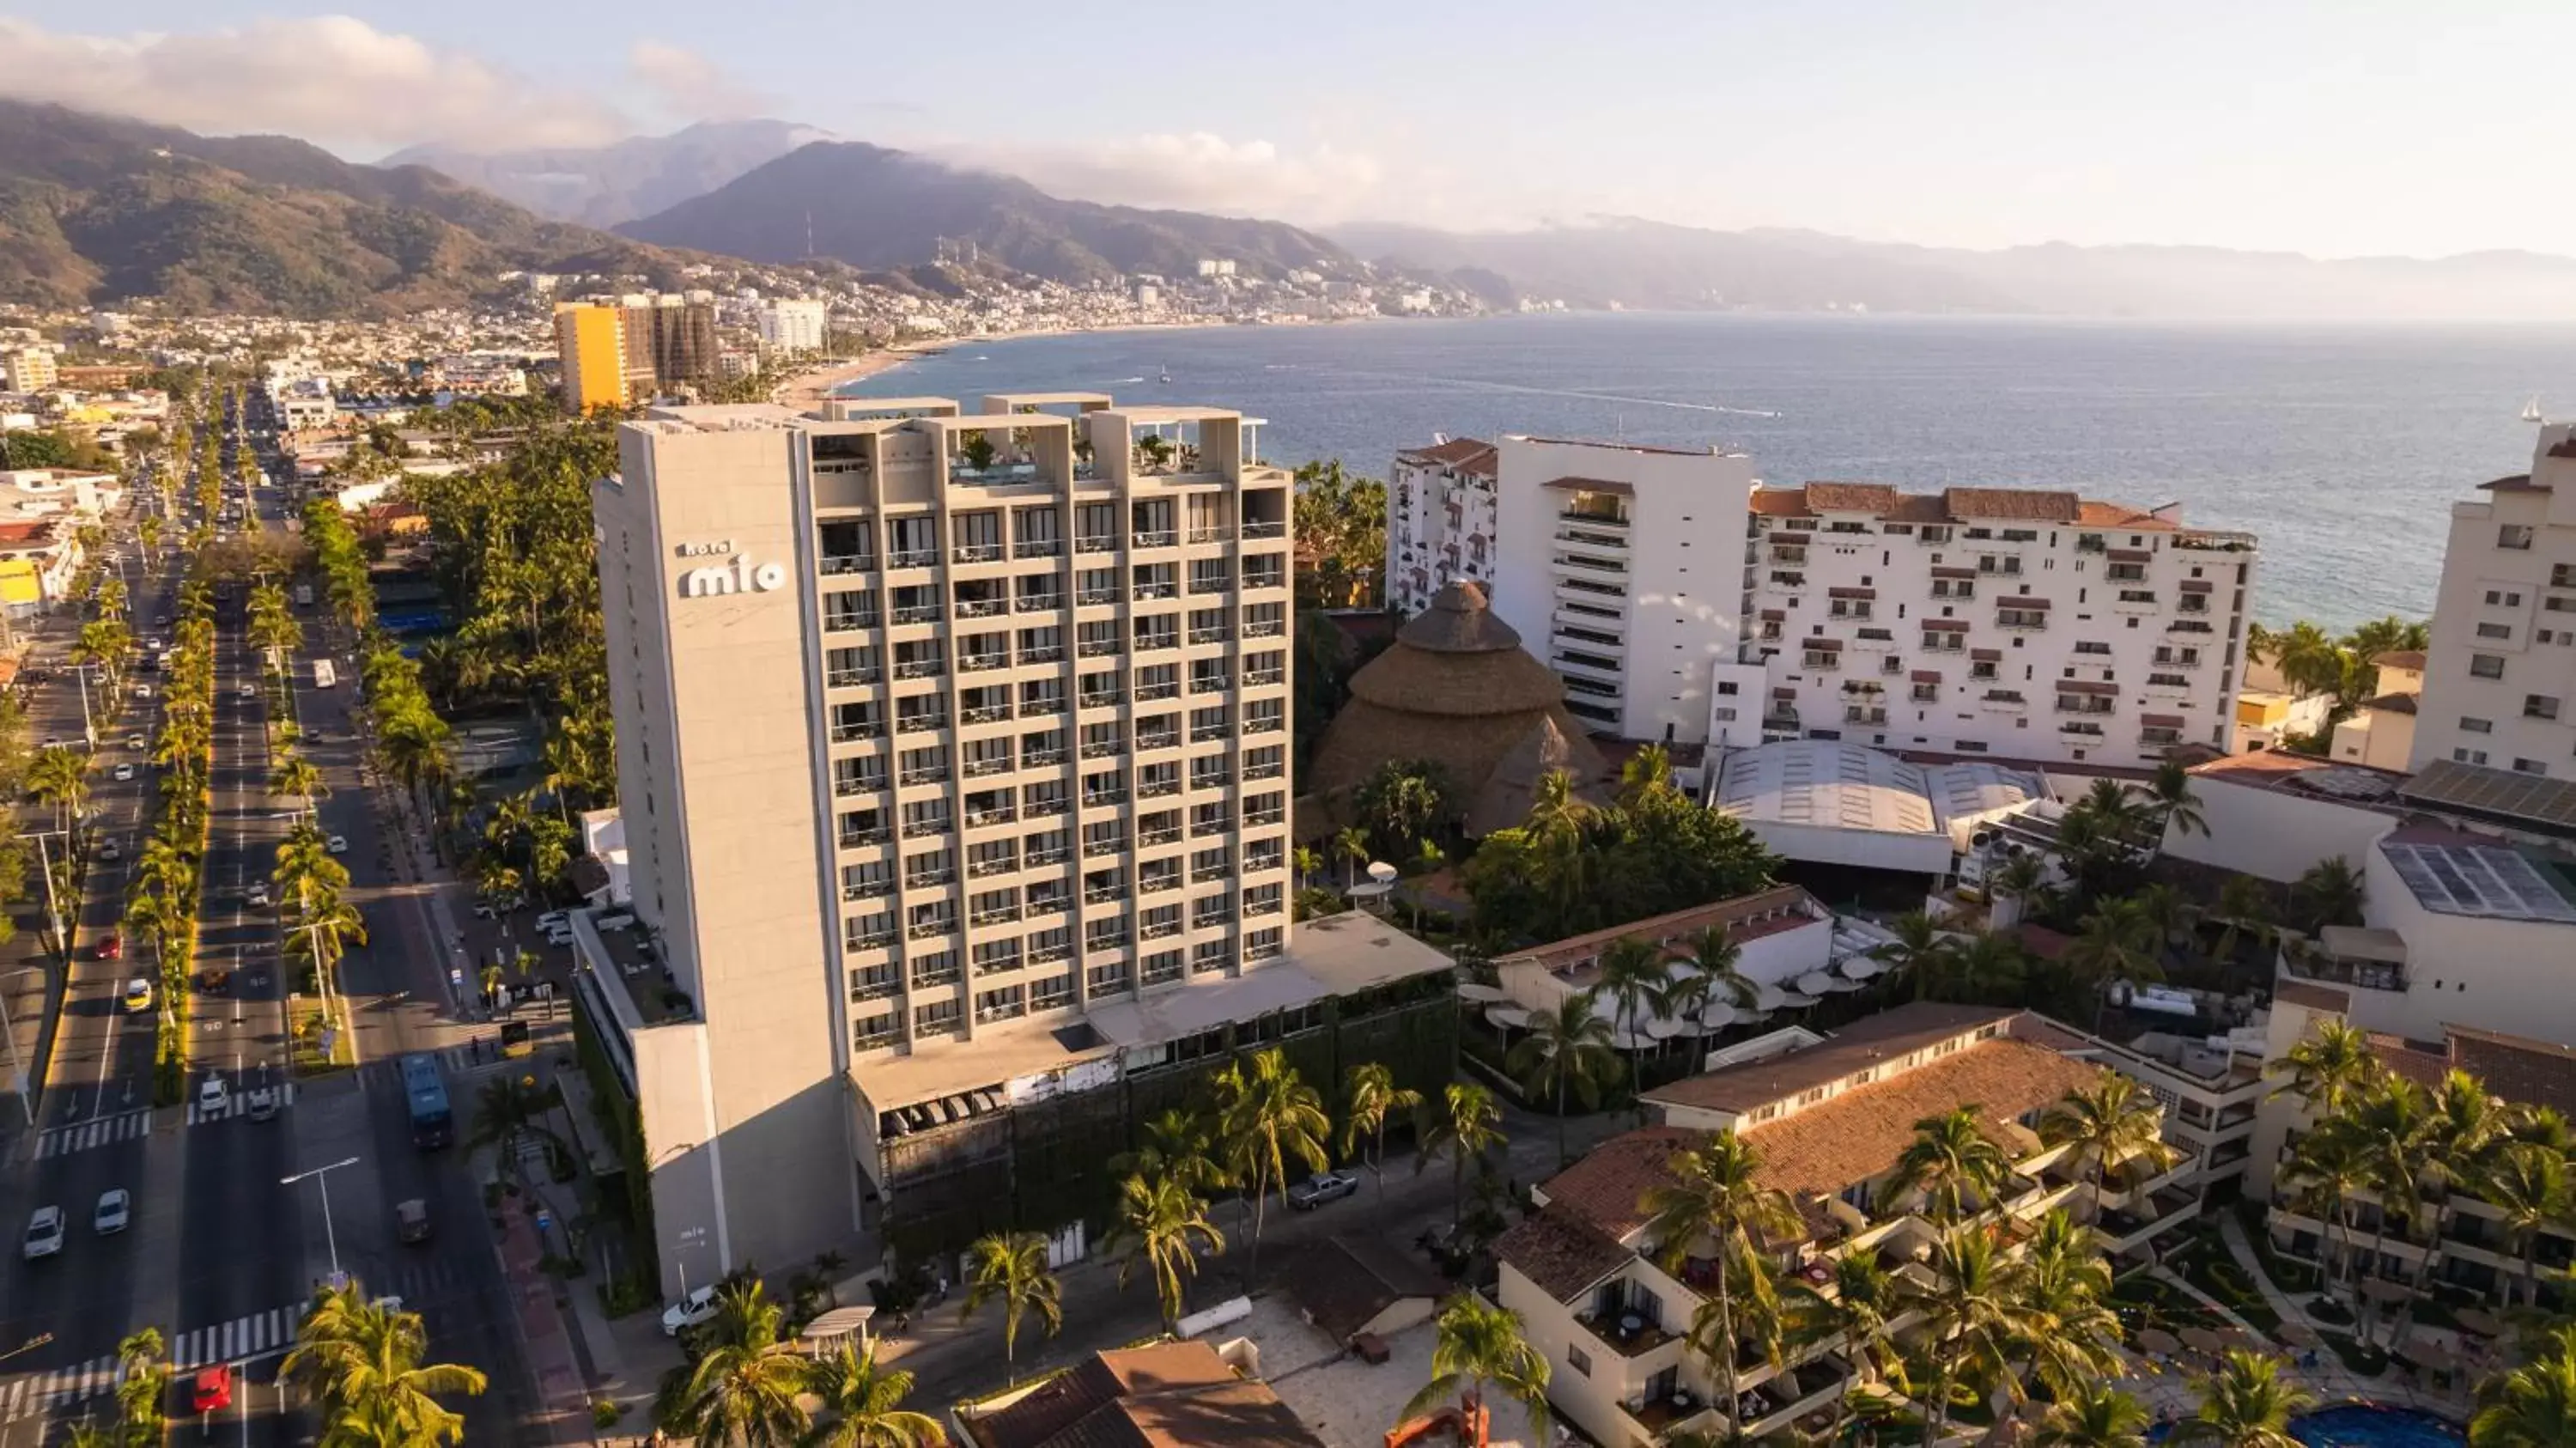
545	1339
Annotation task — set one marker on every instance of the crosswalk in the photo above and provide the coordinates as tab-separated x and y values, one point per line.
83	1136
236	1102
252	1335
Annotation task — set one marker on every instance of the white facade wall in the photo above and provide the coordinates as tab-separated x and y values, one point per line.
2500	678
1637	603
1439	522
2378	738
2517	976
2272	834
1854	610
794	326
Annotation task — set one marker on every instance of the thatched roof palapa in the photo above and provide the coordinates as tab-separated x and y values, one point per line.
1457	690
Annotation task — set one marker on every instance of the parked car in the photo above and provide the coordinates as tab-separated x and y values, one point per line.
45	1234
110	851
1322	1187
699	1306
137	742
115	1207
554	920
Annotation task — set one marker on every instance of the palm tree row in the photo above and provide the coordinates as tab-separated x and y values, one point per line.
2383	1151
2313	661
362	1362
166	898
748	1382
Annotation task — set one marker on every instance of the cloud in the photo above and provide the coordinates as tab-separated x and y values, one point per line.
690	85
330	79
1195	171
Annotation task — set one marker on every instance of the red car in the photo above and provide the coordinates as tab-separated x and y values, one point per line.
214	1390
110	948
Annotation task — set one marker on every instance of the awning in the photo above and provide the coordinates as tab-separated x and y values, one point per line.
1954	573
2086	686
1823	646
1985	656
2194	585
1774	615
1945	625
1927	676
1851	593
2131	555
2161	721
2018	601
1591	485
1784	693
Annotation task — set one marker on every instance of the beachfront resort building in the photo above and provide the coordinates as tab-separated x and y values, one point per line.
953	773
1681	602
1610	1306
2500	678
619	350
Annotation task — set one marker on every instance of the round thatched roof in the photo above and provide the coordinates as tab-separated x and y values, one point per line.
1456	660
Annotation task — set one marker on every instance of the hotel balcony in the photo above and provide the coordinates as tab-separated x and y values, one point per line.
1611	572
2371	959
2203	541
2128	1228
1625	1333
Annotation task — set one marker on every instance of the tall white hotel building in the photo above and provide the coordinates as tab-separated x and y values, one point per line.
1681	600
953	763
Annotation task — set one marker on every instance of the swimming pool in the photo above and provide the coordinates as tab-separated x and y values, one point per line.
2363	1425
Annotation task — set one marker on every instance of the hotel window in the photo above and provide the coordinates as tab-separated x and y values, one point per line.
2529	766
2539	706
2486	666
848	610
938	1018
2469	725
2503	598
869	880
2469	756
2498	631
858	776
936	967
2514	535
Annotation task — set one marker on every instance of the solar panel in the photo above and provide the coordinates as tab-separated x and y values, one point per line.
2478	880
2504	793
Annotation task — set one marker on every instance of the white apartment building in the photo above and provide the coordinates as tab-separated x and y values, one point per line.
27	369
953	771
793	326
2500	678
1680	600
2022	623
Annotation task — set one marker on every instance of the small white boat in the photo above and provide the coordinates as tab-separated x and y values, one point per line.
2530	410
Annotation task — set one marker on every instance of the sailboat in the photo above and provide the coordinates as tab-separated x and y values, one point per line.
1167	376
2530	410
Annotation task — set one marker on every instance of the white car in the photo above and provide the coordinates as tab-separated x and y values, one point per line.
619	921
247	693
143	691
122	773
337	844
699	1306
554	920
45	1233
115	1206
257	894
262	1103
136	742
213	1096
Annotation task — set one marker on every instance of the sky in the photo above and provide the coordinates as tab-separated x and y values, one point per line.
2329	127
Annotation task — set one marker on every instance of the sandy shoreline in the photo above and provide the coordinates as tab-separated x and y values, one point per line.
806	390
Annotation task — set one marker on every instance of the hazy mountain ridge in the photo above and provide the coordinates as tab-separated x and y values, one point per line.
1648	264
94	209
874	207
602	186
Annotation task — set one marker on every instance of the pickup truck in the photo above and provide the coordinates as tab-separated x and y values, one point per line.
1322	1187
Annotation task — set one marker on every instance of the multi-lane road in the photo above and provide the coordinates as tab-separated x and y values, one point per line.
223	1252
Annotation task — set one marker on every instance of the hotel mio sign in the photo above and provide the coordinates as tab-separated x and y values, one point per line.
727	572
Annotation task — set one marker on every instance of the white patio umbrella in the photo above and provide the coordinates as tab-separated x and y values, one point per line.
1775	998
1862	967
1816	983
1509	1018
1469	990
1623	1041
1663	1028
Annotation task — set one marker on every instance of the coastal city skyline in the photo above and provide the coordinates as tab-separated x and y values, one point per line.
1982	128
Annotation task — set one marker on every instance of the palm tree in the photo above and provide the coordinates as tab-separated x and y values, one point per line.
1476	1346
744	1387
1918	950
1264	1117
1716	1197
1307	863
2531	1188
60	777
1853	1316
863	1405
2068	1333
2096	1415
1632	974
2245	1404
2389	1128
2329	892
1713	953
2466	1123
362	1360
2325	1169
1949	1161
1566	1050
1990	966
297	776
508	1111
1467	1125
2534	1406
1012	1269
1175	1146
143	1377
2244	907
2118	941
2020	878
1971	1310
2111	1121
1353	846
2330	1067
2170	799
1369	1094
1168	1228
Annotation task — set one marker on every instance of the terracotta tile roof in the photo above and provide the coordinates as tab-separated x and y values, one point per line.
1560	1252
1466	454
1162	1396
2314	997
2518	483
1746	918
1859	1132
1918	508
2043	942
1603	1188
2519	1069
2014	504
1345	1281
2094	514
1896	1032
1870	498
1780	503
2420	1062
2395	703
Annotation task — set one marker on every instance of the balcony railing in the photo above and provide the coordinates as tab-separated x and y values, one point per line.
1039	855
1154	538
985	713
1089	596
1210	635
840	563
919	668
1039	602
1036	758
1096	543
916	613
852	678
1257	530
1037	548
913	557
978	553
861	839
1146	592
982	607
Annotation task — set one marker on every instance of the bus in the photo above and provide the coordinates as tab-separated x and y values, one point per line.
433	1125
324	676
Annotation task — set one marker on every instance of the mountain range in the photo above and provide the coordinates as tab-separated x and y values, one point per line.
873	207
95	209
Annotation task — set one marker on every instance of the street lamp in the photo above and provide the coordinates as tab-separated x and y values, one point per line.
321	1174
17	1063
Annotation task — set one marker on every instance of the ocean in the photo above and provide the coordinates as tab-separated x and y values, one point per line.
2342	446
